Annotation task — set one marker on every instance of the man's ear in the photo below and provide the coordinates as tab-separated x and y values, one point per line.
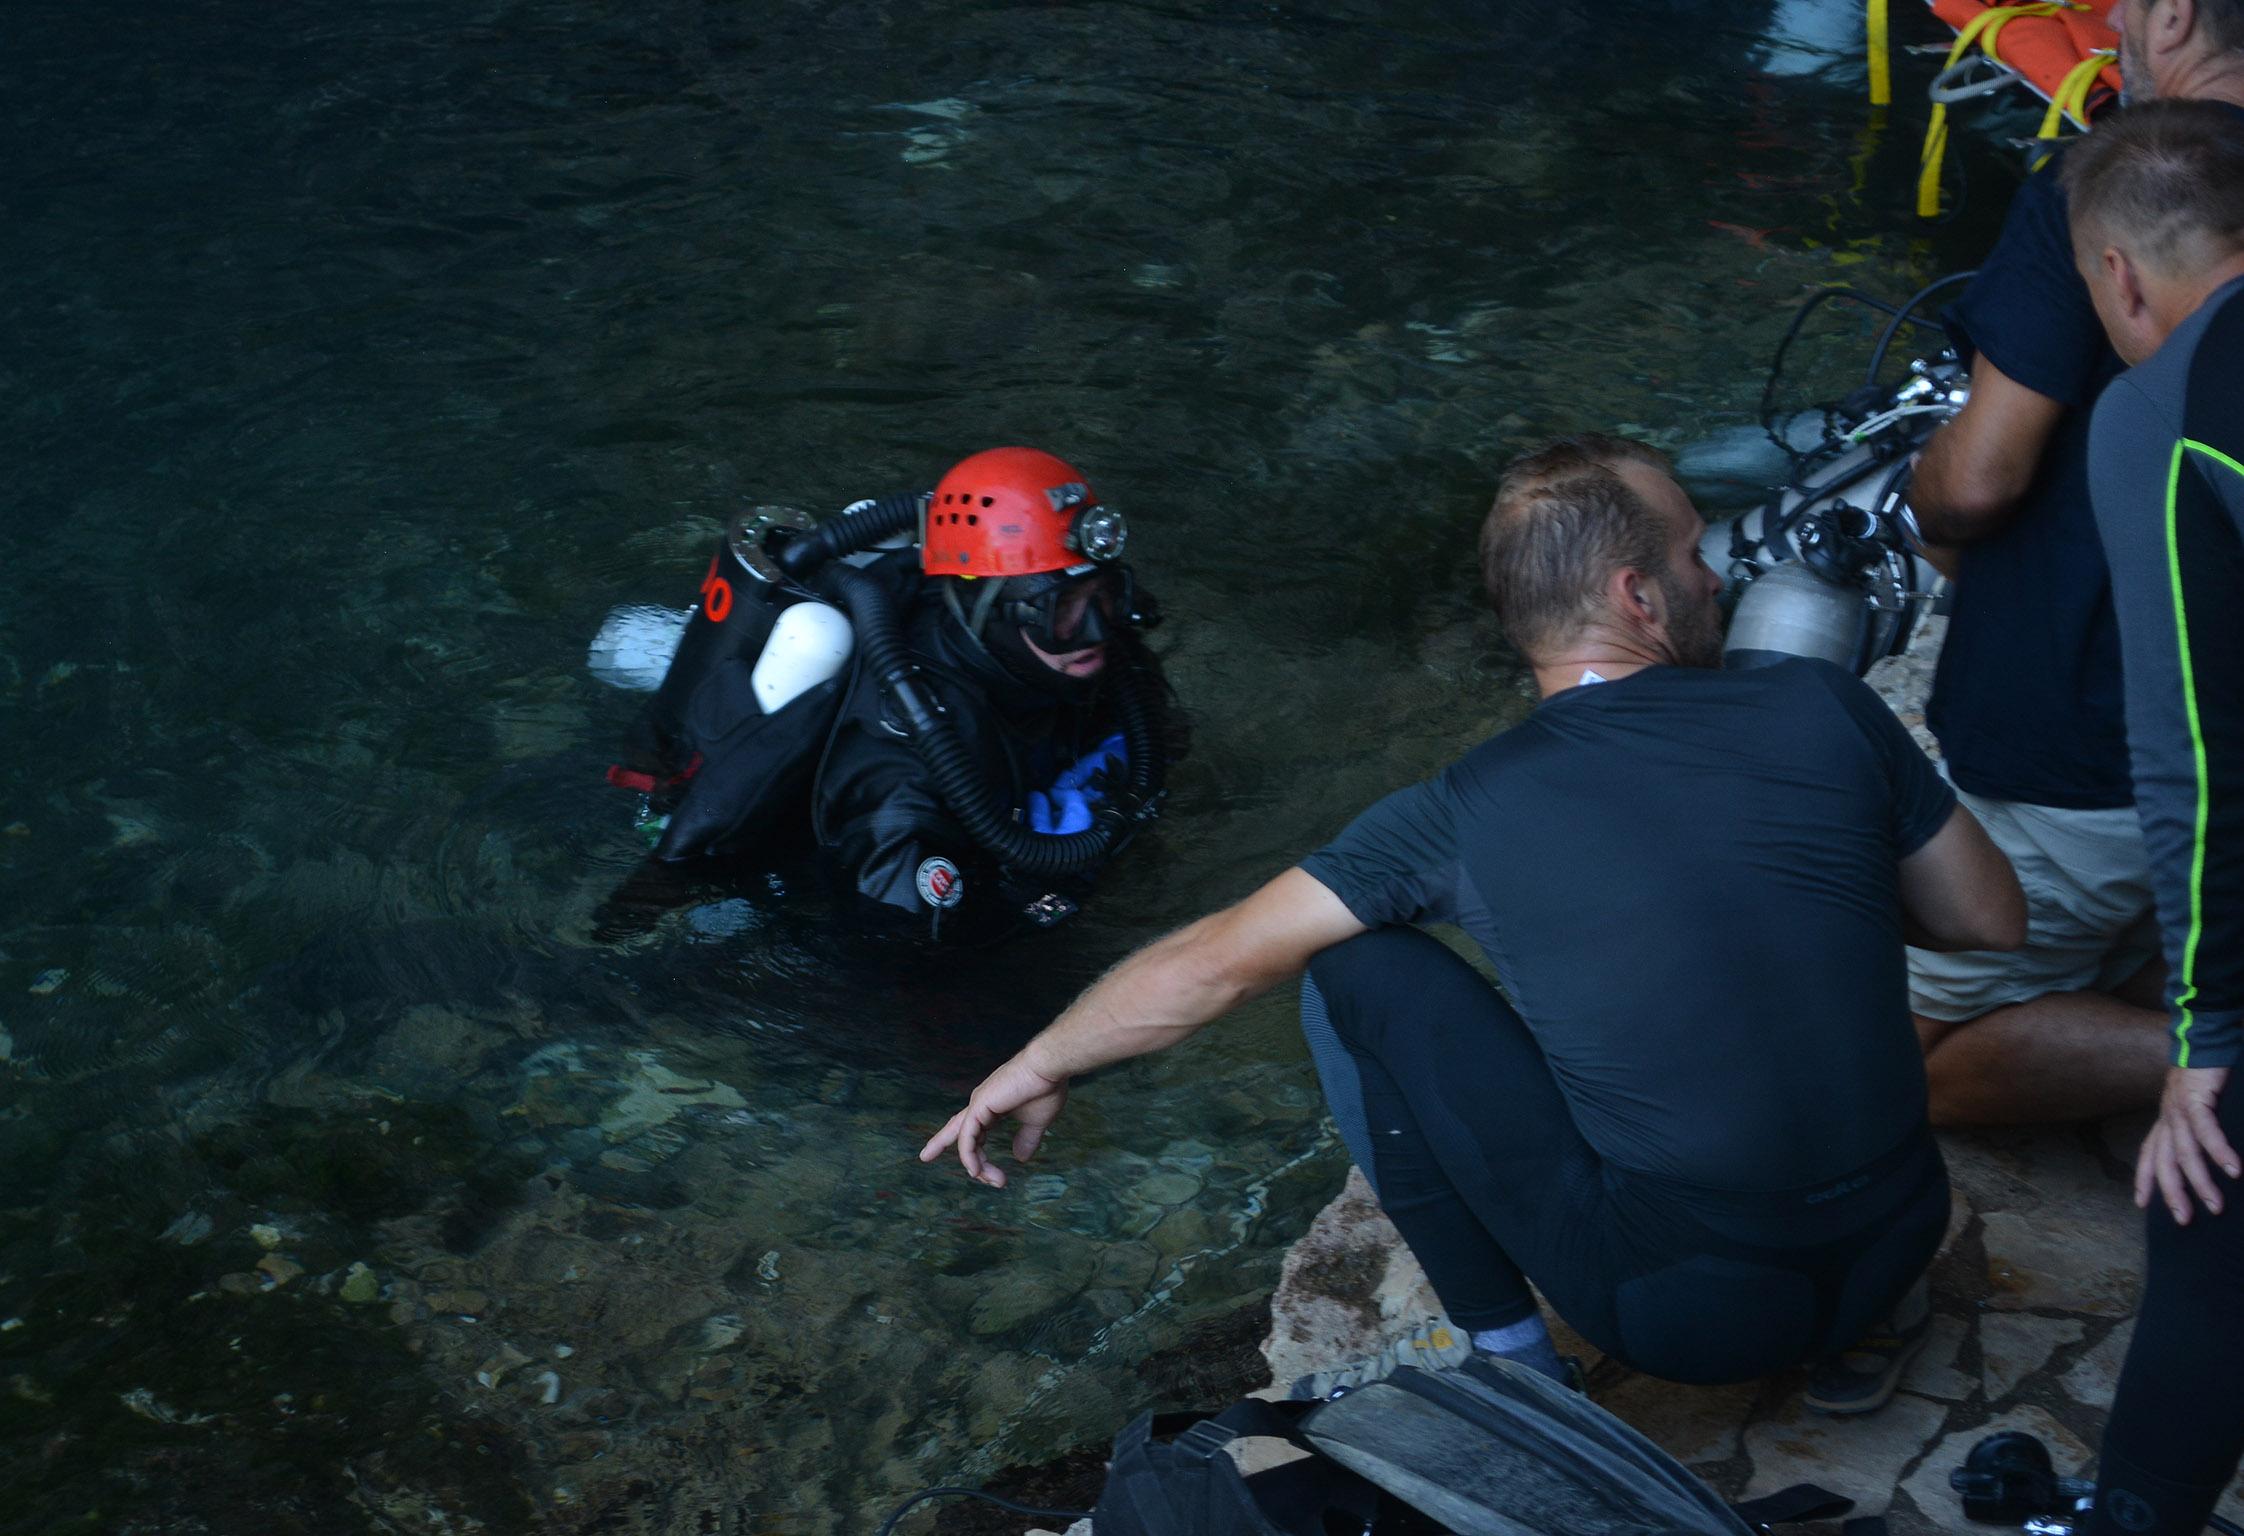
2180	21
1634	597
2126	280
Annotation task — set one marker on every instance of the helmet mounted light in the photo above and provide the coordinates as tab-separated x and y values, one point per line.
1098	533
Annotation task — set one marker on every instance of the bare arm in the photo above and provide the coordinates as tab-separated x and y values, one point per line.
1959	892
1155	998
1974	470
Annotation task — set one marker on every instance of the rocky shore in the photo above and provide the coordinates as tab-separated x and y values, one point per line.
2034	1295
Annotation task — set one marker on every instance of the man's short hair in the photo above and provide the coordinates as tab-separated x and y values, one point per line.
2164	179
1562	523
2223	21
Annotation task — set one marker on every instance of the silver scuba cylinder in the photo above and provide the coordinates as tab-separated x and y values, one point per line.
1791	611
1829	566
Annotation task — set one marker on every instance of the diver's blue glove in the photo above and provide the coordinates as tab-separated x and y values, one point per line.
1061	811
1066	806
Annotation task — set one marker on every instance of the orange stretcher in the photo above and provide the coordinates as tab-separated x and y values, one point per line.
2064	51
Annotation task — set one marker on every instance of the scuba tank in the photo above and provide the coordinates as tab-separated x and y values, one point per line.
1825	569
1830	567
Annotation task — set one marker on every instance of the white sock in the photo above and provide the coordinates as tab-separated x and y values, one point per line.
1526	1342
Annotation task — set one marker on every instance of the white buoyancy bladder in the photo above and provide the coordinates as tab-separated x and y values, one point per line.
810	642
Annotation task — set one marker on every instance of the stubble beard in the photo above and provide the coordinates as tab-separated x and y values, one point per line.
1695	633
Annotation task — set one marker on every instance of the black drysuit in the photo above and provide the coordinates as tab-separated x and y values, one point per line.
885	831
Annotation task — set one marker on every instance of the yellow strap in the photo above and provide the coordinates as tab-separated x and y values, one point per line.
2070	99
1881	56
1982	29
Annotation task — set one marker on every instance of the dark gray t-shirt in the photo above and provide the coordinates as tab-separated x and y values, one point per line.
1687	882
2168	463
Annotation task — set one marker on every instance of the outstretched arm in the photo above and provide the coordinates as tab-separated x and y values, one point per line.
1158	996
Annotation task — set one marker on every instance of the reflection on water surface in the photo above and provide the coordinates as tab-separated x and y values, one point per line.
363	357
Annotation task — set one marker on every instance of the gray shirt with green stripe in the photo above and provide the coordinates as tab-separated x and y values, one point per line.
2166	467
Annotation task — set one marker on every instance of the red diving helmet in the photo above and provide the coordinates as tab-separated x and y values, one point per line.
1017	512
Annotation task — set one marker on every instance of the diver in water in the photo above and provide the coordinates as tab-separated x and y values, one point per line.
945	691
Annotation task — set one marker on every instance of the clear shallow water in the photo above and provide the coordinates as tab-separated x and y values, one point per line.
357	360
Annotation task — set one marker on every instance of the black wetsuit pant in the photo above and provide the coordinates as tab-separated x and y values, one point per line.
1453	1114
2177	1425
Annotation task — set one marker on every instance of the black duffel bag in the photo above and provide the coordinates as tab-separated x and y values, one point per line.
1485	1449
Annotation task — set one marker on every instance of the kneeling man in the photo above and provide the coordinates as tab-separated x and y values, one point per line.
1695	1115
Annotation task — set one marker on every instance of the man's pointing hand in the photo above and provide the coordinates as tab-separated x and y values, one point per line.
1014	1089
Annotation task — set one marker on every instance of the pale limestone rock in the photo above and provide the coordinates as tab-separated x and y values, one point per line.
2028	1168
1928	1486
1905	681
2095	1375
1860	1456
1346	1286
2013	1346
1933	1373
2067	1263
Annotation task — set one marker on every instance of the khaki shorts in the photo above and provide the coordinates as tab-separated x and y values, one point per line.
2089	923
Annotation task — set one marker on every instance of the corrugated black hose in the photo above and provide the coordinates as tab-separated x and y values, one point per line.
884	519
960	782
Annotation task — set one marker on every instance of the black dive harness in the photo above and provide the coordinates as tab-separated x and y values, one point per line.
813	560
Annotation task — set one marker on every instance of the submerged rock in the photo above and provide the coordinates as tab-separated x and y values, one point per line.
496	1368
658	1095
188	1229
278	1271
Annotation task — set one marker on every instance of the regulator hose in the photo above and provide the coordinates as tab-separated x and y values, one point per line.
858	528
959	781
1907	314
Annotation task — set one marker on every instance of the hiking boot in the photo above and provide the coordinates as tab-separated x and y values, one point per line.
1434	1345
1863	1376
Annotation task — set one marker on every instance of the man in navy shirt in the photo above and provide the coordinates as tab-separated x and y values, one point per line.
2027	700
1695	1115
